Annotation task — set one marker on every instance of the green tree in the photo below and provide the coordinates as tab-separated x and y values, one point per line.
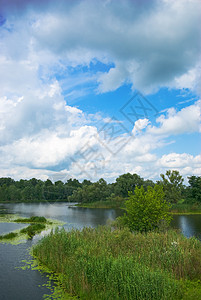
172	183
194	189
97	191
146	209
127	182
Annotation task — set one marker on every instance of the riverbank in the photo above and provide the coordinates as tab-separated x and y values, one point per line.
186	209
117	264
103	204
178	209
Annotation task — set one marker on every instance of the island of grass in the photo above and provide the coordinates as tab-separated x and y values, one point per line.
31	230
8	236
33	219
37	225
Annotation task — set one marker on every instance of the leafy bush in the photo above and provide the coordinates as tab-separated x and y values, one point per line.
146	209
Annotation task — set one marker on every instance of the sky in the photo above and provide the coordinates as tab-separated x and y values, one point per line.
92	89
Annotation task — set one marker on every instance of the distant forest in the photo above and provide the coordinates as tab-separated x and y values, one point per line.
35	190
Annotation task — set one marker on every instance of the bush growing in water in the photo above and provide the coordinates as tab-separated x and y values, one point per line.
105	264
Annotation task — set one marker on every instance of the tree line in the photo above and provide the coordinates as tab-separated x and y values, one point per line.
35	190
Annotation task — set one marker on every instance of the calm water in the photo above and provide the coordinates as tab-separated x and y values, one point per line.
17	284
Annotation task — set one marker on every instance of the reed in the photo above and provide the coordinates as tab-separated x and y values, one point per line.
103	263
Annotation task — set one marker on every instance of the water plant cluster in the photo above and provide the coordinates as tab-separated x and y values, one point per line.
107	263
33	219
36	224
8	236
33	229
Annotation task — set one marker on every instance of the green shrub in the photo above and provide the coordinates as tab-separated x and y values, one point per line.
146	209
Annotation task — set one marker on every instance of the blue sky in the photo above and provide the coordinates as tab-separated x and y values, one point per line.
93	89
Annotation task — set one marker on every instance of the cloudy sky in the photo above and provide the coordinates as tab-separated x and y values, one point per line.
92	89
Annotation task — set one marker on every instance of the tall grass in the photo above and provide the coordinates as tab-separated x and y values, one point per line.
115	264
186	208
103	204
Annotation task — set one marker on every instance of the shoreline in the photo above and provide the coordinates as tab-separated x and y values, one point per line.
104	205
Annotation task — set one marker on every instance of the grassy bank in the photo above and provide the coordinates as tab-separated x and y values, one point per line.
182	209
105	264
189	209
102	204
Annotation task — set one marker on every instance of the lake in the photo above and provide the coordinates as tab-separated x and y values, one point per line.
21	284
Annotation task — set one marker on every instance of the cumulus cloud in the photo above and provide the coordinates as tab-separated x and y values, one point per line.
146	44
185	121
150	46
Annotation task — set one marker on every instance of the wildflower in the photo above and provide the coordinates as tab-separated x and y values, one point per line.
174	244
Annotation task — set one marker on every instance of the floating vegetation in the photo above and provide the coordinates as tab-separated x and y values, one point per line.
37	225
33	229
53	280
7	218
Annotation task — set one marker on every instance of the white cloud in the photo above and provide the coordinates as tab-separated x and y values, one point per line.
149	46
185	121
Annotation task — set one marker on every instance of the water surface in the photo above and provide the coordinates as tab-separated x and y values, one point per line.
17	284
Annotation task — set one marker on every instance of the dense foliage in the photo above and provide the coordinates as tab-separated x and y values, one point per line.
34	190
115	264
145	210
172	183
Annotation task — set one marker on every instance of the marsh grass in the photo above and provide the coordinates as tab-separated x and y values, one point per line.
33	219
8	236
104	204
33	229
186	208
116	264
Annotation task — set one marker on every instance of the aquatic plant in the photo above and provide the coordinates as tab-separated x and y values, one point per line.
8	236
31	230
33	219
116	264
